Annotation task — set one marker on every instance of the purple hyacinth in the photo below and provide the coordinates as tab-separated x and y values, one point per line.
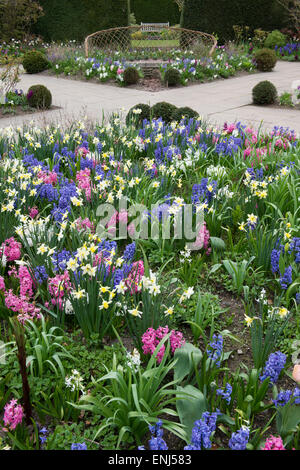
286	279
273	367
225	393
275	255
202	431
239	439
156	442
78	446
282	398
215	349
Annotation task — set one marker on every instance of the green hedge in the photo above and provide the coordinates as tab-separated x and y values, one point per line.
218	16
155	11
75	19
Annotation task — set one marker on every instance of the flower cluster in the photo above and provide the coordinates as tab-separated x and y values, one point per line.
203	431
239	439
273	367
156	442
151	338
13	415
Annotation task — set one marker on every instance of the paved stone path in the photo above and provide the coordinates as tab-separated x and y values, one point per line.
219	101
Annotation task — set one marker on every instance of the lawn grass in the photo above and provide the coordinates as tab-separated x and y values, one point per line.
155	43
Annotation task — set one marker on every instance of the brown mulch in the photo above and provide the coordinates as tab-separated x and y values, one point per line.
19	111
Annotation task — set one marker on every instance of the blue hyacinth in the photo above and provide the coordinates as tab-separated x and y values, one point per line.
239	439
273	367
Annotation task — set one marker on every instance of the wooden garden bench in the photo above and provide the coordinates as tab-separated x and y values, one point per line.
154	27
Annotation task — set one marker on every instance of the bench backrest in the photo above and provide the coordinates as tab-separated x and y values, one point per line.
154	26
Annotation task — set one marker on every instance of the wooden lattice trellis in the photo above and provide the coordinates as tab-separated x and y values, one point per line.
121	39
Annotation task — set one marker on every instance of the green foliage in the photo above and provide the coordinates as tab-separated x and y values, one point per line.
172	77
132	400
287	422
264	337
236	270
264	93
38	96
186	112
164	110
219	16
190	409
275	38
75	19
265	59
285	99
137	118
64	435
155	11
46	349
205	315
35	62
249	393
16	17
131	76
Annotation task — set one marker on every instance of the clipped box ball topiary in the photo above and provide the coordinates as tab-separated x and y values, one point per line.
131	76
164	110
138	113
172	77
38	96
184	112
275	38
264	93
265	59
35	62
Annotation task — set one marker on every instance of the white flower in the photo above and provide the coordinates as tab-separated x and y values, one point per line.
134	359
74	381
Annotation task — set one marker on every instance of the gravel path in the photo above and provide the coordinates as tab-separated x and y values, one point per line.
219	101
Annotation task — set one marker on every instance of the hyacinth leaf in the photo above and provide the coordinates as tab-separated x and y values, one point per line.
292	288
190	409
217	243
188	356
288	420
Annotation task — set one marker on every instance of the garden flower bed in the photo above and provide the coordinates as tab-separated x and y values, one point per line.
120	323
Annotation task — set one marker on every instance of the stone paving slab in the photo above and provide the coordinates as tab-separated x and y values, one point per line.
219	101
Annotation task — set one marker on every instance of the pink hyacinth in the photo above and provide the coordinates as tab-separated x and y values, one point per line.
26	310
11	249
151	338
84	182
202	239
85	224
48	177
57	287
2	283
26	283
135	277
33	212
273	443
120	218
13	415
82	152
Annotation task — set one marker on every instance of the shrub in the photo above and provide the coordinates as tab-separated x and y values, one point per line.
164	110
264	93
138	117
39	96
131	76
35	62
186	112
275	38
172	77
265	59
